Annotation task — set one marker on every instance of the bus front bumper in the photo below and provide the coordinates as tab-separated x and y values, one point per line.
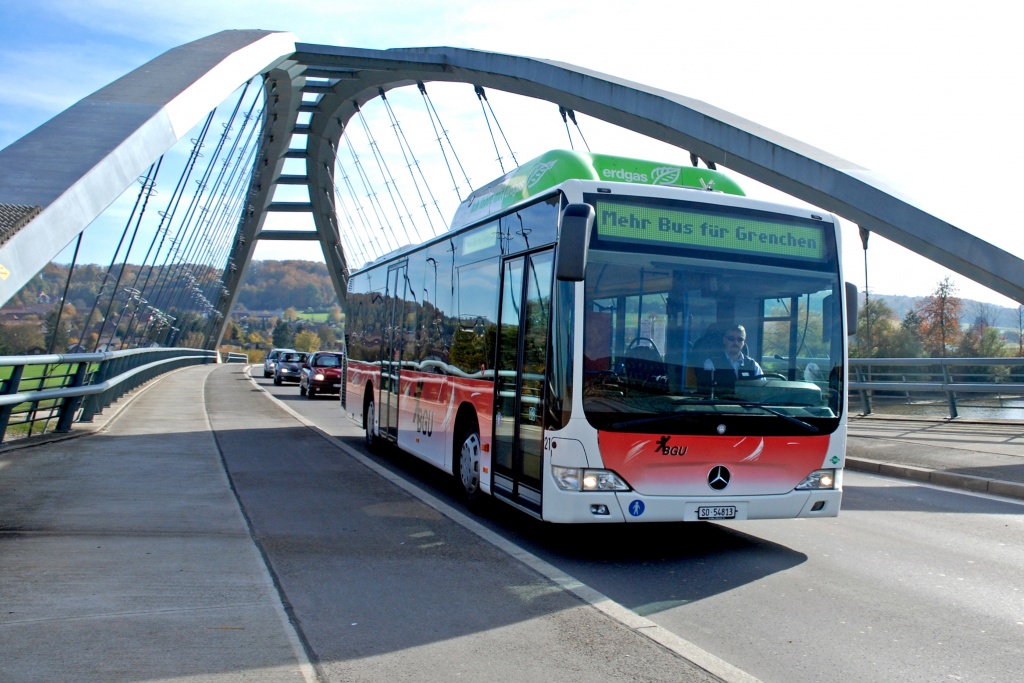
590	508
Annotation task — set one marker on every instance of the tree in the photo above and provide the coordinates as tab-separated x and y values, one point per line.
290	314
57	335
282	334
1020	331
334	315
20	338
940	319
889	339
255	340
233	333
981	342
306	341
327	336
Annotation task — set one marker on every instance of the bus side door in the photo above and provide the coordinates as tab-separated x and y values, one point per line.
391	351
520	378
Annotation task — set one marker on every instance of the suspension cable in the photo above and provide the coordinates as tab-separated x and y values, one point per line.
370	237
146	186
485	105
197	216
64	297
572	117
389	180
371	195
403	144
167	215
353	246
124	266
432	113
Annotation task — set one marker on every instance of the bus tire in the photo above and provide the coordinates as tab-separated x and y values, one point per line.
368	412
467	462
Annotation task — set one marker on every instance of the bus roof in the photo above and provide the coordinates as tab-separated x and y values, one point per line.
555	167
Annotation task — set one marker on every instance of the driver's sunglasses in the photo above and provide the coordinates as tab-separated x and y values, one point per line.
736	339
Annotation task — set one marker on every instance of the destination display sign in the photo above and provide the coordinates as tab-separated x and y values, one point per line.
654	225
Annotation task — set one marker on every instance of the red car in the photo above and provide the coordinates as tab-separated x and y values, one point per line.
321	373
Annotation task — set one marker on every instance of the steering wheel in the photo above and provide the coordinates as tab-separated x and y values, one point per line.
637	341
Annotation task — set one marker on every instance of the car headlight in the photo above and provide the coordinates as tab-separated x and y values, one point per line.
578	479
818	480
319	377
285	371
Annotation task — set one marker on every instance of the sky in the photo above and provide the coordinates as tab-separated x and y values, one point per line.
925	94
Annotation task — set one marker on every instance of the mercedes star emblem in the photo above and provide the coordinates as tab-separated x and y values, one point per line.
718	477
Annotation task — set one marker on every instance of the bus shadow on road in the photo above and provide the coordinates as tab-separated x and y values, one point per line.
652	567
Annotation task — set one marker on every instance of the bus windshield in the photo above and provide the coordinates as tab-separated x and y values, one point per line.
734	333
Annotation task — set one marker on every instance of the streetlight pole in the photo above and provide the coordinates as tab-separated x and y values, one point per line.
864	234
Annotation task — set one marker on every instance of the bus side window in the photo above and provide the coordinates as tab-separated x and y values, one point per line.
472	349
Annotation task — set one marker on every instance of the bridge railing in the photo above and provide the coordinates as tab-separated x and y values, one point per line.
49	392
877	379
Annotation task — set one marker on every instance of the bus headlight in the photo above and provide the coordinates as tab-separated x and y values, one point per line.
577	479
817	480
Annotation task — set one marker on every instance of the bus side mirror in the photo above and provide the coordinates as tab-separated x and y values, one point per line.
851	309
573	242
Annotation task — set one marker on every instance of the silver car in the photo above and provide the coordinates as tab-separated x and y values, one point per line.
270	362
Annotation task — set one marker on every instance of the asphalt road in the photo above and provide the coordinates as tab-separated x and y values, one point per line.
909	583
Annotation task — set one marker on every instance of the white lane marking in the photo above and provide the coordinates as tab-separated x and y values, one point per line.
628	618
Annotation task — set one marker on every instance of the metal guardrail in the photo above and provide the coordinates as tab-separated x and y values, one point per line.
50	392
936	377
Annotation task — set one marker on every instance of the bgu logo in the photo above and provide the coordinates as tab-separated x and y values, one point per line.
665	449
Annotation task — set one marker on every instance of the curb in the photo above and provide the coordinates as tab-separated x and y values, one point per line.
967	482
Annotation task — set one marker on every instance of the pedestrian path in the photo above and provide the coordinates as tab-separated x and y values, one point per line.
985	457
125	556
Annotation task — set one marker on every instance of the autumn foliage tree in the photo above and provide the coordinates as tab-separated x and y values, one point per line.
940	319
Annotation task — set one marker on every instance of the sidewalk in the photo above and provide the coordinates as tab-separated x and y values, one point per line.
986	457
111	572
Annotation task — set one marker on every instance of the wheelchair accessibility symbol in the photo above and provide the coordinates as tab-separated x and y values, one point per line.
636	508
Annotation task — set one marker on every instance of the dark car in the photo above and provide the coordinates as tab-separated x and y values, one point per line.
289	367
271	360
321	374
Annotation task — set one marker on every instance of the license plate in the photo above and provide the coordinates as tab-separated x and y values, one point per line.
717	512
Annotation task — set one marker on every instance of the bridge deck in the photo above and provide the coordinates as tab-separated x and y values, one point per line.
126	553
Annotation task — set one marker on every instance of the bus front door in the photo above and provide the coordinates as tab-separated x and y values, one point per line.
391	351
520	384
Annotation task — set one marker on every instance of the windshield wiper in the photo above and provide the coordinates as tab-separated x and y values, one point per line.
646	420
788	418
742	404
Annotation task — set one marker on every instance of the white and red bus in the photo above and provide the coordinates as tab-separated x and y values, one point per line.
564	347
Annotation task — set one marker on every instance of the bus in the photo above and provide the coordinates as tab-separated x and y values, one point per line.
562	348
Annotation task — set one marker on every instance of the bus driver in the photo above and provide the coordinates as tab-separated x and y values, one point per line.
732	356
